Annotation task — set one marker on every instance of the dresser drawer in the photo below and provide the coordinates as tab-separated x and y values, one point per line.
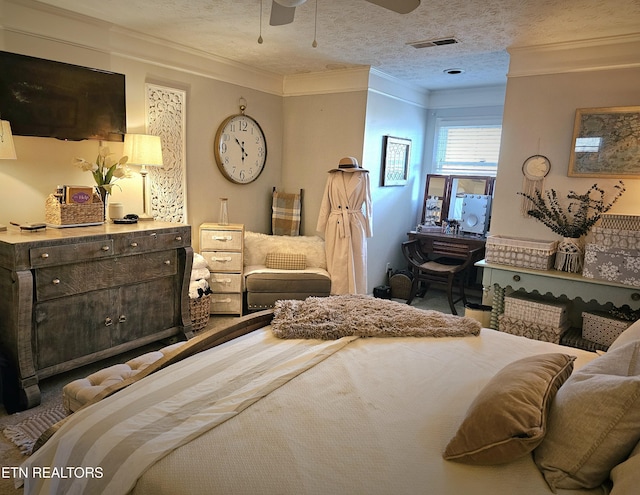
226	303
225	282
152	241
76	278
222	261
69	253
225	240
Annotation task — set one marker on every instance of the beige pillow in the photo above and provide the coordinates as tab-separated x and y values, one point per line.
626	476
594	421
286	261
630	334
507	419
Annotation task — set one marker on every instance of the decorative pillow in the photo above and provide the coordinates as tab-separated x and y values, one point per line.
630	334
507	420
626	476
286	261
594	421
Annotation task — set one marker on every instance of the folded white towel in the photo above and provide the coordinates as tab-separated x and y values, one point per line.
199	261
200	273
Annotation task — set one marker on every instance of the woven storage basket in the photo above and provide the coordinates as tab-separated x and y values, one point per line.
57	213
400	283
525	253
199	309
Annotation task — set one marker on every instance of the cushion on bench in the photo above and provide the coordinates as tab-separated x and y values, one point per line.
79	392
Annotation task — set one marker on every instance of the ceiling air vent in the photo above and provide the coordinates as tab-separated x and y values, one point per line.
437	42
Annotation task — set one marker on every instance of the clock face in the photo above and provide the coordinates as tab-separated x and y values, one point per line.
536	167
240	149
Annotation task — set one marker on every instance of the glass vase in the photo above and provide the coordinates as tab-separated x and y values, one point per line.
223	219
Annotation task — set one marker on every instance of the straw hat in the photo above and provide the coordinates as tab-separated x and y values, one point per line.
348	164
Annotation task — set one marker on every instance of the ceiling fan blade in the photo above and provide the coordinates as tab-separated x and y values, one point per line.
399	6
281	15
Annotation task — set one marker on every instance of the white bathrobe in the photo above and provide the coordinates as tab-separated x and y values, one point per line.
345	219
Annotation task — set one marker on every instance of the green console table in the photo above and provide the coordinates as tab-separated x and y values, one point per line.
557	283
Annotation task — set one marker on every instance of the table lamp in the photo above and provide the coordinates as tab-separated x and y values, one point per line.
144	150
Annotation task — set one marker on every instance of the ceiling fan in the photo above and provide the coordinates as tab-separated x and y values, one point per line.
282	11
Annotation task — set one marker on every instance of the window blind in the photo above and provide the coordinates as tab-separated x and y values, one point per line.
467	149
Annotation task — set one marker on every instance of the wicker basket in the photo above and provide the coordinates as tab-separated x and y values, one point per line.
525	253
57	213
200	309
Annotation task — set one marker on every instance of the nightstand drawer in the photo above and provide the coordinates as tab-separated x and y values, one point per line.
221	240
222	261
70	253
225	282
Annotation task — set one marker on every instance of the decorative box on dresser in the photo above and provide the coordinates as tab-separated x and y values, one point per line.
223	248
72	296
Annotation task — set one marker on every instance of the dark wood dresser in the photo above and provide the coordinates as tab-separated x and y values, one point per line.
72	296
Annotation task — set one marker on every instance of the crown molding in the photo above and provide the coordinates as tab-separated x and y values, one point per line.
615	52
331	81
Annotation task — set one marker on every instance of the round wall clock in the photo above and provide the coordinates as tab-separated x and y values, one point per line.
240	148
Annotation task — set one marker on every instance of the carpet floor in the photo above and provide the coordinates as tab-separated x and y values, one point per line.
51	388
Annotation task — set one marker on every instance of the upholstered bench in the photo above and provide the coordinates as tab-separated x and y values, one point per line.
283	267
79	392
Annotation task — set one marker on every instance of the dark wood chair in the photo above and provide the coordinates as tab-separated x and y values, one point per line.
446	263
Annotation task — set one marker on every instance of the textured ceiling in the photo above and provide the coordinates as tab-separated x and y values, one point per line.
353	33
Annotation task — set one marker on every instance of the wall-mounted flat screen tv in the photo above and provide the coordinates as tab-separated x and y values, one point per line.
52	99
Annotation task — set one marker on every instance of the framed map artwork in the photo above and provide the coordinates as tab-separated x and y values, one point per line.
606	143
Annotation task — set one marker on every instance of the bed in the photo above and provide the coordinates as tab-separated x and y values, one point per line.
364	413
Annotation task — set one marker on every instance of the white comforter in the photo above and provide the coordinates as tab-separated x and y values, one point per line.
371	418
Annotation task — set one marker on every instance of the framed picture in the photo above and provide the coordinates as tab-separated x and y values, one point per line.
395	170
606	143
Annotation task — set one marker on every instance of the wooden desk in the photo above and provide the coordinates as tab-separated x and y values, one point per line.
457	246
571	285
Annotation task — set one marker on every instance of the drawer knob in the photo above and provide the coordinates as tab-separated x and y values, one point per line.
134	244
154	234
516	278
225	259
179	238
223	280
105	248
108	322
222	238
44	256
56	281
167	262
122	319
635	296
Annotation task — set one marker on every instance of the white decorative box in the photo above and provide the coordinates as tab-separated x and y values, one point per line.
530	330
614	238
602	328
529	308
614	265
517	251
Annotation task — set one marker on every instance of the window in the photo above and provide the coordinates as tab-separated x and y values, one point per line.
467	148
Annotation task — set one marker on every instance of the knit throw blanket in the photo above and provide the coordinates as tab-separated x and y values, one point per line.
364	316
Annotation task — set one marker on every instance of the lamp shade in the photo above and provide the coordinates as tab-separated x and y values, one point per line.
143	149
7	148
